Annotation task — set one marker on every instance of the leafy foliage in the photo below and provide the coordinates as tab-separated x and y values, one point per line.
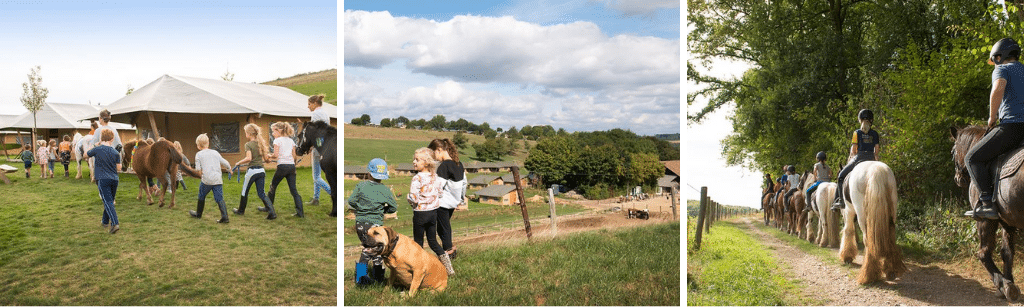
598	163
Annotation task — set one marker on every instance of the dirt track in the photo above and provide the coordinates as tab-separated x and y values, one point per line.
924	284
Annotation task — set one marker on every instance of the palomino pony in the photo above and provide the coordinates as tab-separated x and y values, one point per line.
154	161
1009	196
81	145
870	192
324	138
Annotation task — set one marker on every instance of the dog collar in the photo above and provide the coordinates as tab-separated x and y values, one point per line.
392	245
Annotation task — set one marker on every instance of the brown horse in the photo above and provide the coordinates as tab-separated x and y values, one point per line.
780	208
154	161
1010	200
766	201
797	203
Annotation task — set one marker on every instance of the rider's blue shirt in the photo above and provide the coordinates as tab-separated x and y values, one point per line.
1011	110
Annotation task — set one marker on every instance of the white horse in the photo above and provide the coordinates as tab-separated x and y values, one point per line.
872	198
80	146
828	220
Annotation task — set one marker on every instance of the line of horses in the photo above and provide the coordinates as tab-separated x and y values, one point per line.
870	194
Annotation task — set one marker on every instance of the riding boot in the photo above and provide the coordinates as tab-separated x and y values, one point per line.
269	195
223	212
447	262
199	209
298	210
269	206
985	210
183	187
241	205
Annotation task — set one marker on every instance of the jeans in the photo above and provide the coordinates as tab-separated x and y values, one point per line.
218	192
108	190
286	171
257	176
425	223
318	183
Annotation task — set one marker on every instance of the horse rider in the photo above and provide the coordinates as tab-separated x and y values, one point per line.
865	148
1007	102
822	173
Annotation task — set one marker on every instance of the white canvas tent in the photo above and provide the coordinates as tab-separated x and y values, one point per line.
59	116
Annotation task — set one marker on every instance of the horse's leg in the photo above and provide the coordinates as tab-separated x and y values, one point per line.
171	172
79	175
162	184
1009	289
848	246
987	240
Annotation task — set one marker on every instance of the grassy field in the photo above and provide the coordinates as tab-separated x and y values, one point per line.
731	268
321	82
637	266
479	215
54	252
395	145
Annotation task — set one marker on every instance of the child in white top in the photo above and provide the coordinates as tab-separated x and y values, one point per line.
425	198
208	164
284	151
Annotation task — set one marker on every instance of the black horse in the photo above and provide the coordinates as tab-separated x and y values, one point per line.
324	138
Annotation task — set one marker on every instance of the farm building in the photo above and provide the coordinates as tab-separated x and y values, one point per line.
510	180
53	121
501	194
483	181
356	172
404	169
671	178
489	167
180	108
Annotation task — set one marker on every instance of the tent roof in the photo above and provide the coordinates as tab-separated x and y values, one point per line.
59	116
6	120
178	94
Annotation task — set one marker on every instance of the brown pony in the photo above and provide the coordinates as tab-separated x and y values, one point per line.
1010	196
154	160
797	203
767	206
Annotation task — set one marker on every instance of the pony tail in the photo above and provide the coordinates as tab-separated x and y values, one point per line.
317	99
262	141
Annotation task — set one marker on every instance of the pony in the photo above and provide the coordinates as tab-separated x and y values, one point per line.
766	201
81	145
780	208
154	161
870	191
796	204
1010	203
324	138
828	220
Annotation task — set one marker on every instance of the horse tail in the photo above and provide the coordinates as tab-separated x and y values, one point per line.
880	219
176	159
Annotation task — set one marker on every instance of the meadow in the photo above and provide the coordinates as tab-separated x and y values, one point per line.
637	266
53	250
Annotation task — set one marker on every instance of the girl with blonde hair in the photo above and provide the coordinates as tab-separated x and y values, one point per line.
256	152
284	152
425	197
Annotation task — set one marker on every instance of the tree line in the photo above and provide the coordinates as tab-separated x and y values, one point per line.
920	65
440	123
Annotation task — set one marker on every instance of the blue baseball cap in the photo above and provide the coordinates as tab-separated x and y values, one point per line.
378	169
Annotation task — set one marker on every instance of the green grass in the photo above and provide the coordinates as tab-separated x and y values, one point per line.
637	266
329	88
54	252
361	151
732	268
479	215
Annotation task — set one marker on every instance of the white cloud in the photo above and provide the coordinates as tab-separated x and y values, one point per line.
566	56
644	7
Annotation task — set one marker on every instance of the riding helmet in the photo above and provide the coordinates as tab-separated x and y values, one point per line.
1004	48
791	169
821	155
866	114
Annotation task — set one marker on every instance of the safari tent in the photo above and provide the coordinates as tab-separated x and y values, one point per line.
53	121
180	108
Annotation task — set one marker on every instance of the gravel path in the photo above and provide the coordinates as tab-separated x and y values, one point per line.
832	284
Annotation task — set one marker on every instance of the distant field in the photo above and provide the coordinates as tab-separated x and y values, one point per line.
367	132
395	145
321	82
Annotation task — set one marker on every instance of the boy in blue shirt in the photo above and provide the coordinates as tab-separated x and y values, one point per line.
1006	102
106	164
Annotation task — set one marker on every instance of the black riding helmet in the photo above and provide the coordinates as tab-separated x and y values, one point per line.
821	156
1004	48
866	114
791	169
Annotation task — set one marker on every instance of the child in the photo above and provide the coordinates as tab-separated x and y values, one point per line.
42	157
822	173
208	165
1006	104
28	158
179	180
865	148
256	151
454	190
53	156
315	105
794	183
65	154
425	198
106	164
370	200
284	151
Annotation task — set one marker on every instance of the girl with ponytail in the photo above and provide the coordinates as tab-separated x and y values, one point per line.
256	152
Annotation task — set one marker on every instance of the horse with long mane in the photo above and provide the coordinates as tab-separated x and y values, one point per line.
324	138
870	192
1009	196
797	203
81	145
154	161
828	220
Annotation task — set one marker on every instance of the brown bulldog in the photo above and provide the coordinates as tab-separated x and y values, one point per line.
410	264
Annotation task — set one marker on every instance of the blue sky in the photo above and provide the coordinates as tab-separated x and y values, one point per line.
92	51
578	65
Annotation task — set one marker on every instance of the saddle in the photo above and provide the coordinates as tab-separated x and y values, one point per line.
1005	166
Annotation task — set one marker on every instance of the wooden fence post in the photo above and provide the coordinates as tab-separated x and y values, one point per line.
707	219
551	203
700	216
675	203
522	202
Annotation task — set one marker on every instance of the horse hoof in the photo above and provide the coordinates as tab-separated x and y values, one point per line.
150	204
1010	291
171	206
161	205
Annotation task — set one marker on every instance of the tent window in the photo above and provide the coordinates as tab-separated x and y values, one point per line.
224	138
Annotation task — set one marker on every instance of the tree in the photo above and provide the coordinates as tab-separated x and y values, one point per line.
365	119
460	140
130	90
401	121
483	128
386	123
437	123
34	96
228	76
498	130
491	149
